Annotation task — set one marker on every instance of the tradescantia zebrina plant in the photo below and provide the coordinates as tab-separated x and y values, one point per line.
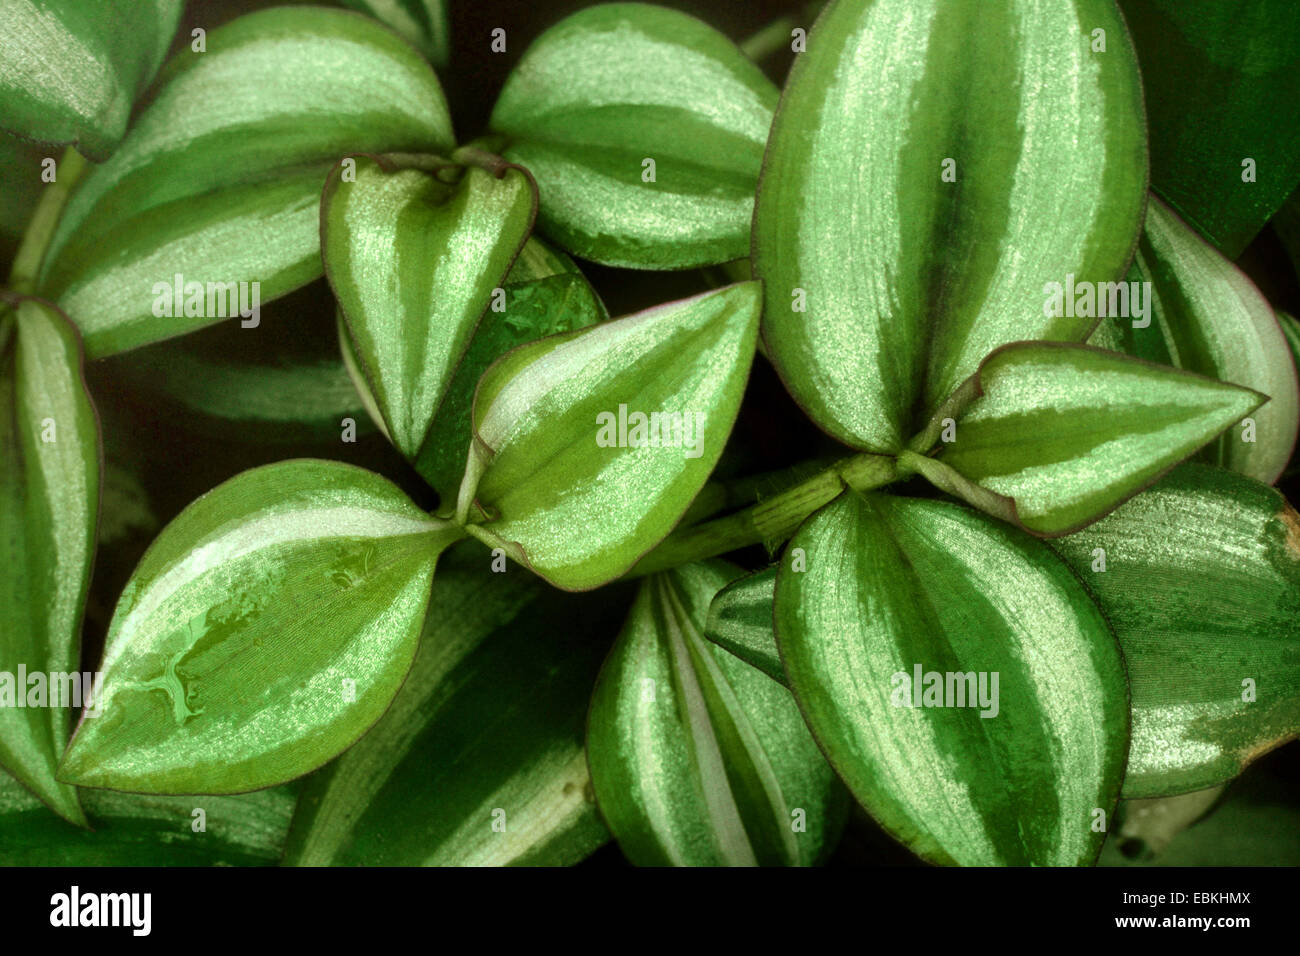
1017	554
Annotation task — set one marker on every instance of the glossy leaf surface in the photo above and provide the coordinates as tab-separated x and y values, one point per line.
1206	316
49	505
1219	78
900	589
1067	432
480	759
619	84
266	629
697	758
932	166
1201	582
70	70
544	294
233	145
413	261
572	486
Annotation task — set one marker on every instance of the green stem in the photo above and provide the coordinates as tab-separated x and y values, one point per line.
759	46
27	262
769	522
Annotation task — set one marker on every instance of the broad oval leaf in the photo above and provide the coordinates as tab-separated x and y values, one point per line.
645	129
237	141
1203	314
932	166
1200	577
70	70
740	620
1018	738
697	758
265	630
480	759
544	294
147	830
589	446
414	261
50	462
1054	436
1218	78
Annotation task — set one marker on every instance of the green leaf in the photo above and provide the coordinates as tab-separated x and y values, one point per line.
618	84
413	261
697	758
886	285
1204	315
486	733
740	620
49	501
70	70
1256	823
236	142
1012	774
147	830
422	22
1218	78
574	484
1201	582
544	294
265	630
292	400
1054	436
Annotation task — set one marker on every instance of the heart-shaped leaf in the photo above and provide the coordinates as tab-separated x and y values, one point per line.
932	166
1200	577
1218	78
958	677
138	830
237	142
413	261
1054	436
544	294
697	758
480	759
423	22
740	620
1204	315
265	630
49	502
70	70
645	129
590	445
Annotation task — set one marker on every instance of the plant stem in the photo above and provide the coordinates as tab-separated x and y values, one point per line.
27	262
768	522
759	46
